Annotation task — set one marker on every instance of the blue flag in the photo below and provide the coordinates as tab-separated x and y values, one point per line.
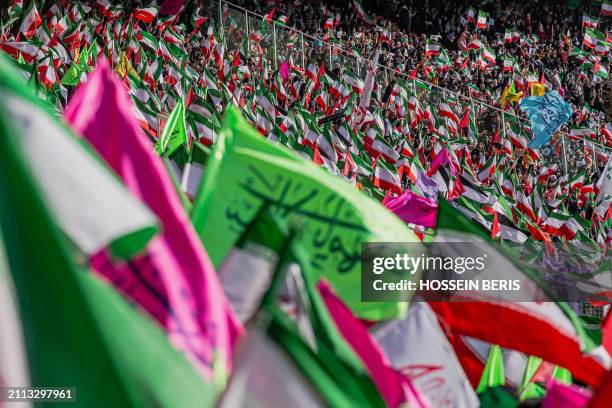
546	113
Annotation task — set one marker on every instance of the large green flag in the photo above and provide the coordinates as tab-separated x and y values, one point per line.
244	172
79	332
174	134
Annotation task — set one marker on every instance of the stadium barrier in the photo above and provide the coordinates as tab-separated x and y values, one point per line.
288	44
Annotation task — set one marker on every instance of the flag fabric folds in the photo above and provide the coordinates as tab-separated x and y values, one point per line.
246	172
73	322
91	206
412	208
546	113
174	279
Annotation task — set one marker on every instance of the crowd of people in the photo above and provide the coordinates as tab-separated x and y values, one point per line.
307	105
544	46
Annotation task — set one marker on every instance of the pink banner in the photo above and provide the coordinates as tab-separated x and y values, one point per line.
174	279
412	208
565	396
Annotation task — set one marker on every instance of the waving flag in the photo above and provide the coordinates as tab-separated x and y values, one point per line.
31	21
174	279
68	313
393	387
414	209
255	171
482	19
145	14
546	113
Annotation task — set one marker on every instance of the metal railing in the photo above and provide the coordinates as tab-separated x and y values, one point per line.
287	43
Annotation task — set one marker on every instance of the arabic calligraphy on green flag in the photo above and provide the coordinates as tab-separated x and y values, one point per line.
246	171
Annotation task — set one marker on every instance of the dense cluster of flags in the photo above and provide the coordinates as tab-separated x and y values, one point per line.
197	226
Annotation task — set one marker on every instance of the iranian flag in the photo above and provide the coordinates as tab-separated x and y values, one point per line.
539	327
46	73
524	205
508	37
380	147
446	111
31	21
104	6
487	170
27	50
577	133
329	23
589	22
591	37
482	19
604	197
600	70
507	147
432	48
475	44
570	228
363	16
471	13
554	223
606	8
602	48
146	14
517	138
509	63
576	182
354	82
386	177
488	55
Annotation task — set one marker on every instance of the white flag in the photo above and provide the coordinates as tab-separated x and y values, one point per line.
417	347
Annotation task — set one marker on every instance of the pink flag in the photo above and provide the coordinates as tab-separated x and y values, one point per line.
442	159
284	70
395	388
565	396
174	279
414	209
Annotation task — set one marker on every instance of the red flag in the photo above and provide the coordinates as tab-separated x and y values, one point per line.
495	230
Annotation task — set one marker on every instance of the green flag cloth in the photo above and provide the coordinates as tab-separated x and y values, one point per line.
493	374
309	335
79	332
77	68
562	375
497	397
73	74
528	388
450	218
174	134
244	172
294	320
91	206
